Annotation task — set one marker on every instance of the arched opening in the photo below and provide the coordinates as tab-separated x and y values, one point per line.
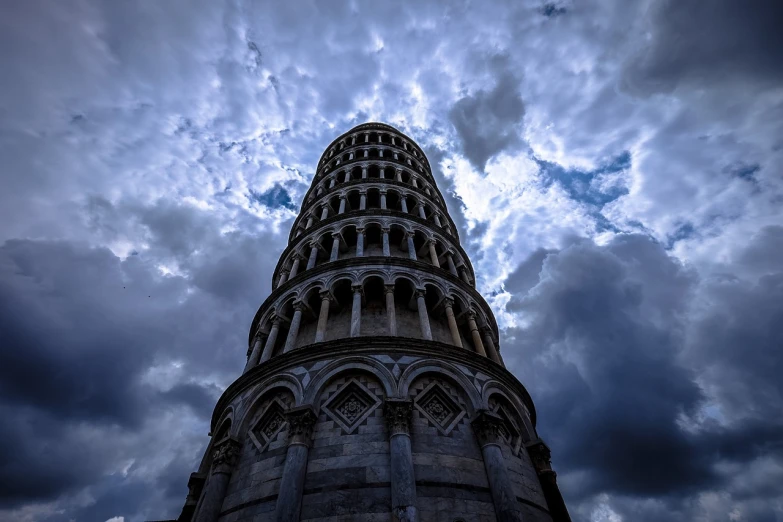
309	322
398	244
437	313
373	172
421	246
373	198
373	137
285	313
223	431
373	245
374	153
348	244
406	177
356	173
354	200
406	310
393	200
460	314
374	319
339	325
385	138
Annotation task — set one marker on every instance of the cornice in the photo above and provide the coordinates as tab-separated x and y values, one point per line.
369	346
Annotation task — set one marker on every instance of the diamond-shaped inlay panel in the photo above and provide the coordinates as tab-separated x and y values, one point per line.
436	404
351	405
269	425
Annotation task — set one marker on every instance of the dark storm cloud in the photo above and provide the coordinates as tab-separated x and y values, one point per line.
612	352
488	121
709	44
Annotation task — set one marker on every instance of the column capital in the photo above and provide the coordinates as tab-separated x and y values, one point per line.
225	454
325	295
285	271
448	302
398	416
385	230
471	314
276	320
420	292
432	241
388	289
299	306
357	289
342	196
362	192
487	427
540	456
360	230
383	191
486	330
336	235
301	421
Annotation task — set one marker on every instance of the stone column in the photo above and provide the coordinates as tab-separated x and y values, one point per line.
383	199
323	317
295	267
348	172
301	421
225	456
390	314
309	222
195	487
332	183
271	339
452	268
319	191
403	204
356	311
463	273
424	320
342	205
411	246
448	304
475	334
403	481
422	214
293	331
335	247
364	171
489	344
413	181
359	242
487	426
363	200
398	173
382	170
540	456
386	249
433	253
255	354
313	256
283	278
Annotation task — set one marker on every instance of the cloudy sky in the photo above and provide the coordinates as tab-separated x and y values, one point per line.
614	168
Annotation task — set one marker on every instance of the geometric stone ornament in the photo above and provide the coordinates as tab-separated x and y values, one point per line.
435	403
270	424
351	405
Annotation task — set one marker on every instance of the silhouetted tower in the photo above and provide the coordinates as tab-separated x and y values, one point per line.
374	387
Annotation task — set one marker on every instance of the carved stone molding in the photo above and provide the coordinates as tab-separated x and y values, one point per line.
225	455
488	427
398	416
301	421
541	457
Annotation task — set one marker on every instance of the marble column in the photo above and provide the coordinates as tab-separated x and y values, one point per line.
341	210
448	304
335	247
477	343
364	172
398	174
255	353
301	421
356	311
283	278
411	246
383	199
348	172
309	222
271	339
433	253
403	204
390	314
463	273
382	170
323	317
295	266
424	320
489	344
450	261
363	200
386	249
359	242
487	427
332	183
293	331
403	482
324	212
319	191
313	256
540	457
422	214
414	182
225	454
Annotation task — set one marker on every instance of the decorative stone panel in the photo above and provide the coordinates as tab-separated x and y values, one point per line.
351	405
269	426
437	405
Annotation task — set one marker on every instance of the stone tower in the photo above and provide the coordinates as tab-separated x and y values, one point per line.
374	388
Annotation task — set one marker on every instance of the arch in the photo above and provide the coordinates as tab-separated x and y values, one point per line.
262	391
493	387
356	363
425	366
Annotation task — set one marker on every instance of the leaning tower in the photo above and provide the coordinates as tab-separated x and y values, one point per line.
374	388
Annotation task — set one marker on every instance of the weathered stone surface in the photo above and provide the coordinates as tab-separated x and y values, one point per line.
350	411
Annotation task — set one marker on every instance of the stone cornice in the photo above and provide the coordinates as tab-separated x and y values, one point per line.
369	346
370	126
295	242
342	264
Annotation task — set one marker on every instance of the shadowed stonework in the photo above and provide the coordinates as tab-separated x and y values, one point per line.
374	388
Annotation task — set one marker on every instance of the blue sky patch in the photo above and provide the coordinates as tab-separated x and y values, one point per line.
276	197
579	183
